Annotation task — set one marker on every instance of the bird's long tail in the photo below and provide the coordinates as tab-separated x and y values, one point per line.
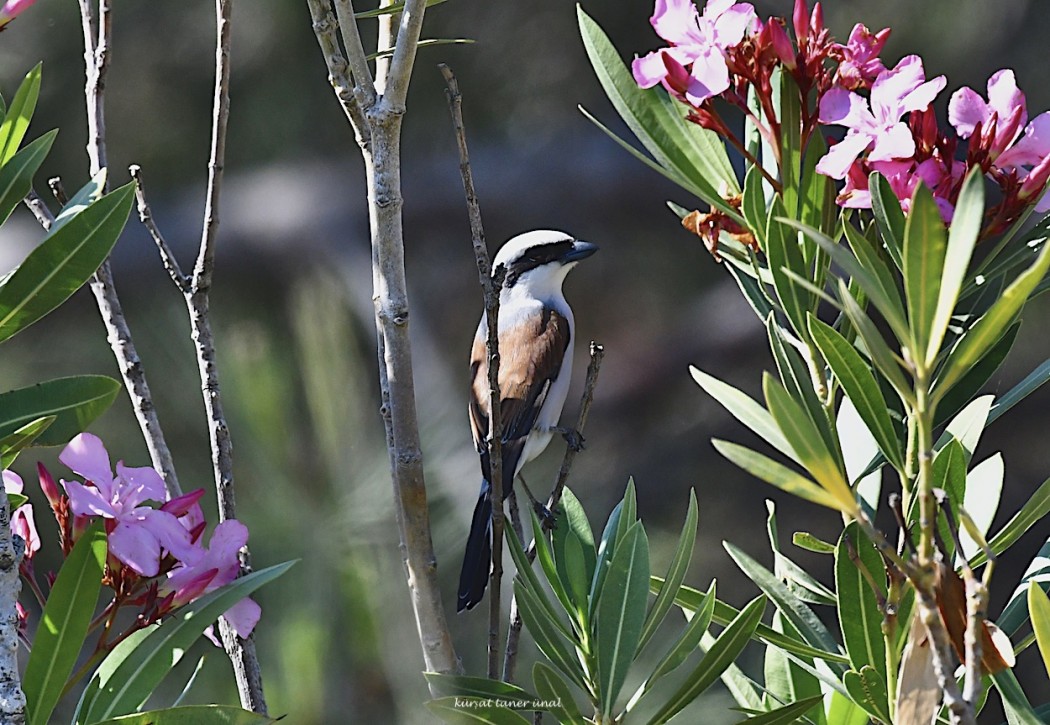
474	576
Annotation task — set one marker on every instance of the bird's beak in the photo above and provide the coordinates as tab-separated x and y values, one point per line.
580	250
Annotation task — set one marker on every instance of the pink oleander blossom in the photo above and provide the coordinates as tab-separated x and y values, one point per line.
878	128
22	522
903	177
138	534
206	569
859	63
1000	120
12	9
695	65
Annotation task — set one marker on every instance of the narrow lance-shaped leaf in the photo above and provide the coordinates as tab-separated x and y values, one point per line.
20	112
63	262
888	216
73	403
64	625
1033	511
858	603
777	474
675	573
962	238
16	176
861	387
925	242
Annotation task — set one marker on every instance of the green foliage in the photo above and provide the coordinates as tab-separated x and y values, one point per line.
64	625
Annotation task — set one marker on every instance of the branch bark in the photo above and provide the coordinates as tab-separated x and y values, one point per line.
96	61
12	699
491	283
377	127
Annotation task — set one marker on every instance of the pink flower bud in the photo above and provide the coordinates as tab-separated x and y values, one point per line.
49	487
11	9
816	22
800	19
1006	131
182	505
781	43
1036	180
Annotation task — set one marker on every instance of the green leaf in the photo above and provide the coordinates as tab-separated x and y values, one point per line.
753	205
63	262
858	608
113	660
16	120
16	176
389	52
866	251
675	573
1034	509
687	643
723	652
817	206
64	625
809	542
882	357
789	114
142	670
545	557
991	326
794	372
868	689
784	255
1039	611
192	715
73	403
983	490
861	387
621	614
13	444
88	194
791	713
693	600
16	501
886	303
962	238
744	408
1032	382
528	579
787	681
777	474
888	216
473	710
572	539
1018	710
794	610
925	242
753	291
550	638
971	383
967	426
1015	613
805	439
552	688
694	154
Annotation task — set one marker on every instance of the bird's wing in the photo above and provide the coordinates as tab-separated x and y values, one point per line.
531	356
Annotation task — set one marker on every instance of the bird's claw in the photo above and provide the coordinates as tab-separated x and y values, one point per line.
545	515
573	438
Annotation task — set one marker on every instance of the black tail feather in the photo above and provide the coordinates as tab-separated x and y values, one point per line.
477	559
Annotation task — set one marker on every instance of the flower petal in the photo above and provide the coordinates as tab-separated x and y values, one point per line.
649	70
86	455
676	21
172	535
1033	147
731	24
87	501
892	86
840	157
843	108
137	547
894	143
709	76
1004	95
966	109
145	481
243	616
921	98
12	482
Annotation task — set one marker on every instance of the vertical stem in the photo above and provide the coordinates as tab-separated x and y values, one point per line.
12	699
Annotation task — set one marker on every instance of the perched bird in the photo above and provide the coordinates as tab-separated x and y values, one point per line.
536	331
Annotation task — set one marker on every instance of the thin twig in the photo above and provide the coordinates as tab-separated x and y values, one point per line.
96	59
39	208
325	27
597	353
171	264
490	290
364	88
58	190
409	26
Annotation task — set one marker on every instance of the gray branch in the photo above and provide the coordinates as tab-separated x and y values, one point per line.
96	60
378	132
12	548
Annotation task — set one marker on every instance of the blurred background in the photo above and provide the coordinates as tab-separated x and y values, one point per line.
293	314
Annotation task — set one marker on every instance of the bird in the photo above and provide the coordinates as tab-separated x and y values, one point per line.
536	334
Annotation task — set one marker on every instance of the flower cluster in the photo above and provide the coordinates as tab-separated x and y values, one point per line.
726	51
158	560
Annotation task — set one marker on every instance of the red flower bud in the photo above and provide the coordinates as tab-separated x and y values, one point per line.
778	38
800	19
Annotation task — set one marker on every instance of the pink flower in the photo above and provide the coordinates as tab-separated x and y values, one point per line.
139	533
860	64
22	522
1000	120
696	40
903	177
11	9
205	570
894	93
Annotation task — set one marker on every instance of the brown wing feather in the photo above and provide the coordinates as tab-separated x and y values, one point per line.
531	357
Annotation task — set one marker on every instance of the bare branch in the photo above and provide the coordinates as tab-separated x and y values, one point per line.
597	353
96	58
490	290
400	71
12	549
39	208
171	264
324	25
58	190
364	87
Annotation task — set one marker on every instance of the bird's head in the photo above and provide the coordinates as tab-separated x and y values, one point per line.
540	259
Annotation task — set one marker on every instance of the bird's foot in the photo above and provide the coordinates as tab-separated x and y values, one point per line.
545	515
573	438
